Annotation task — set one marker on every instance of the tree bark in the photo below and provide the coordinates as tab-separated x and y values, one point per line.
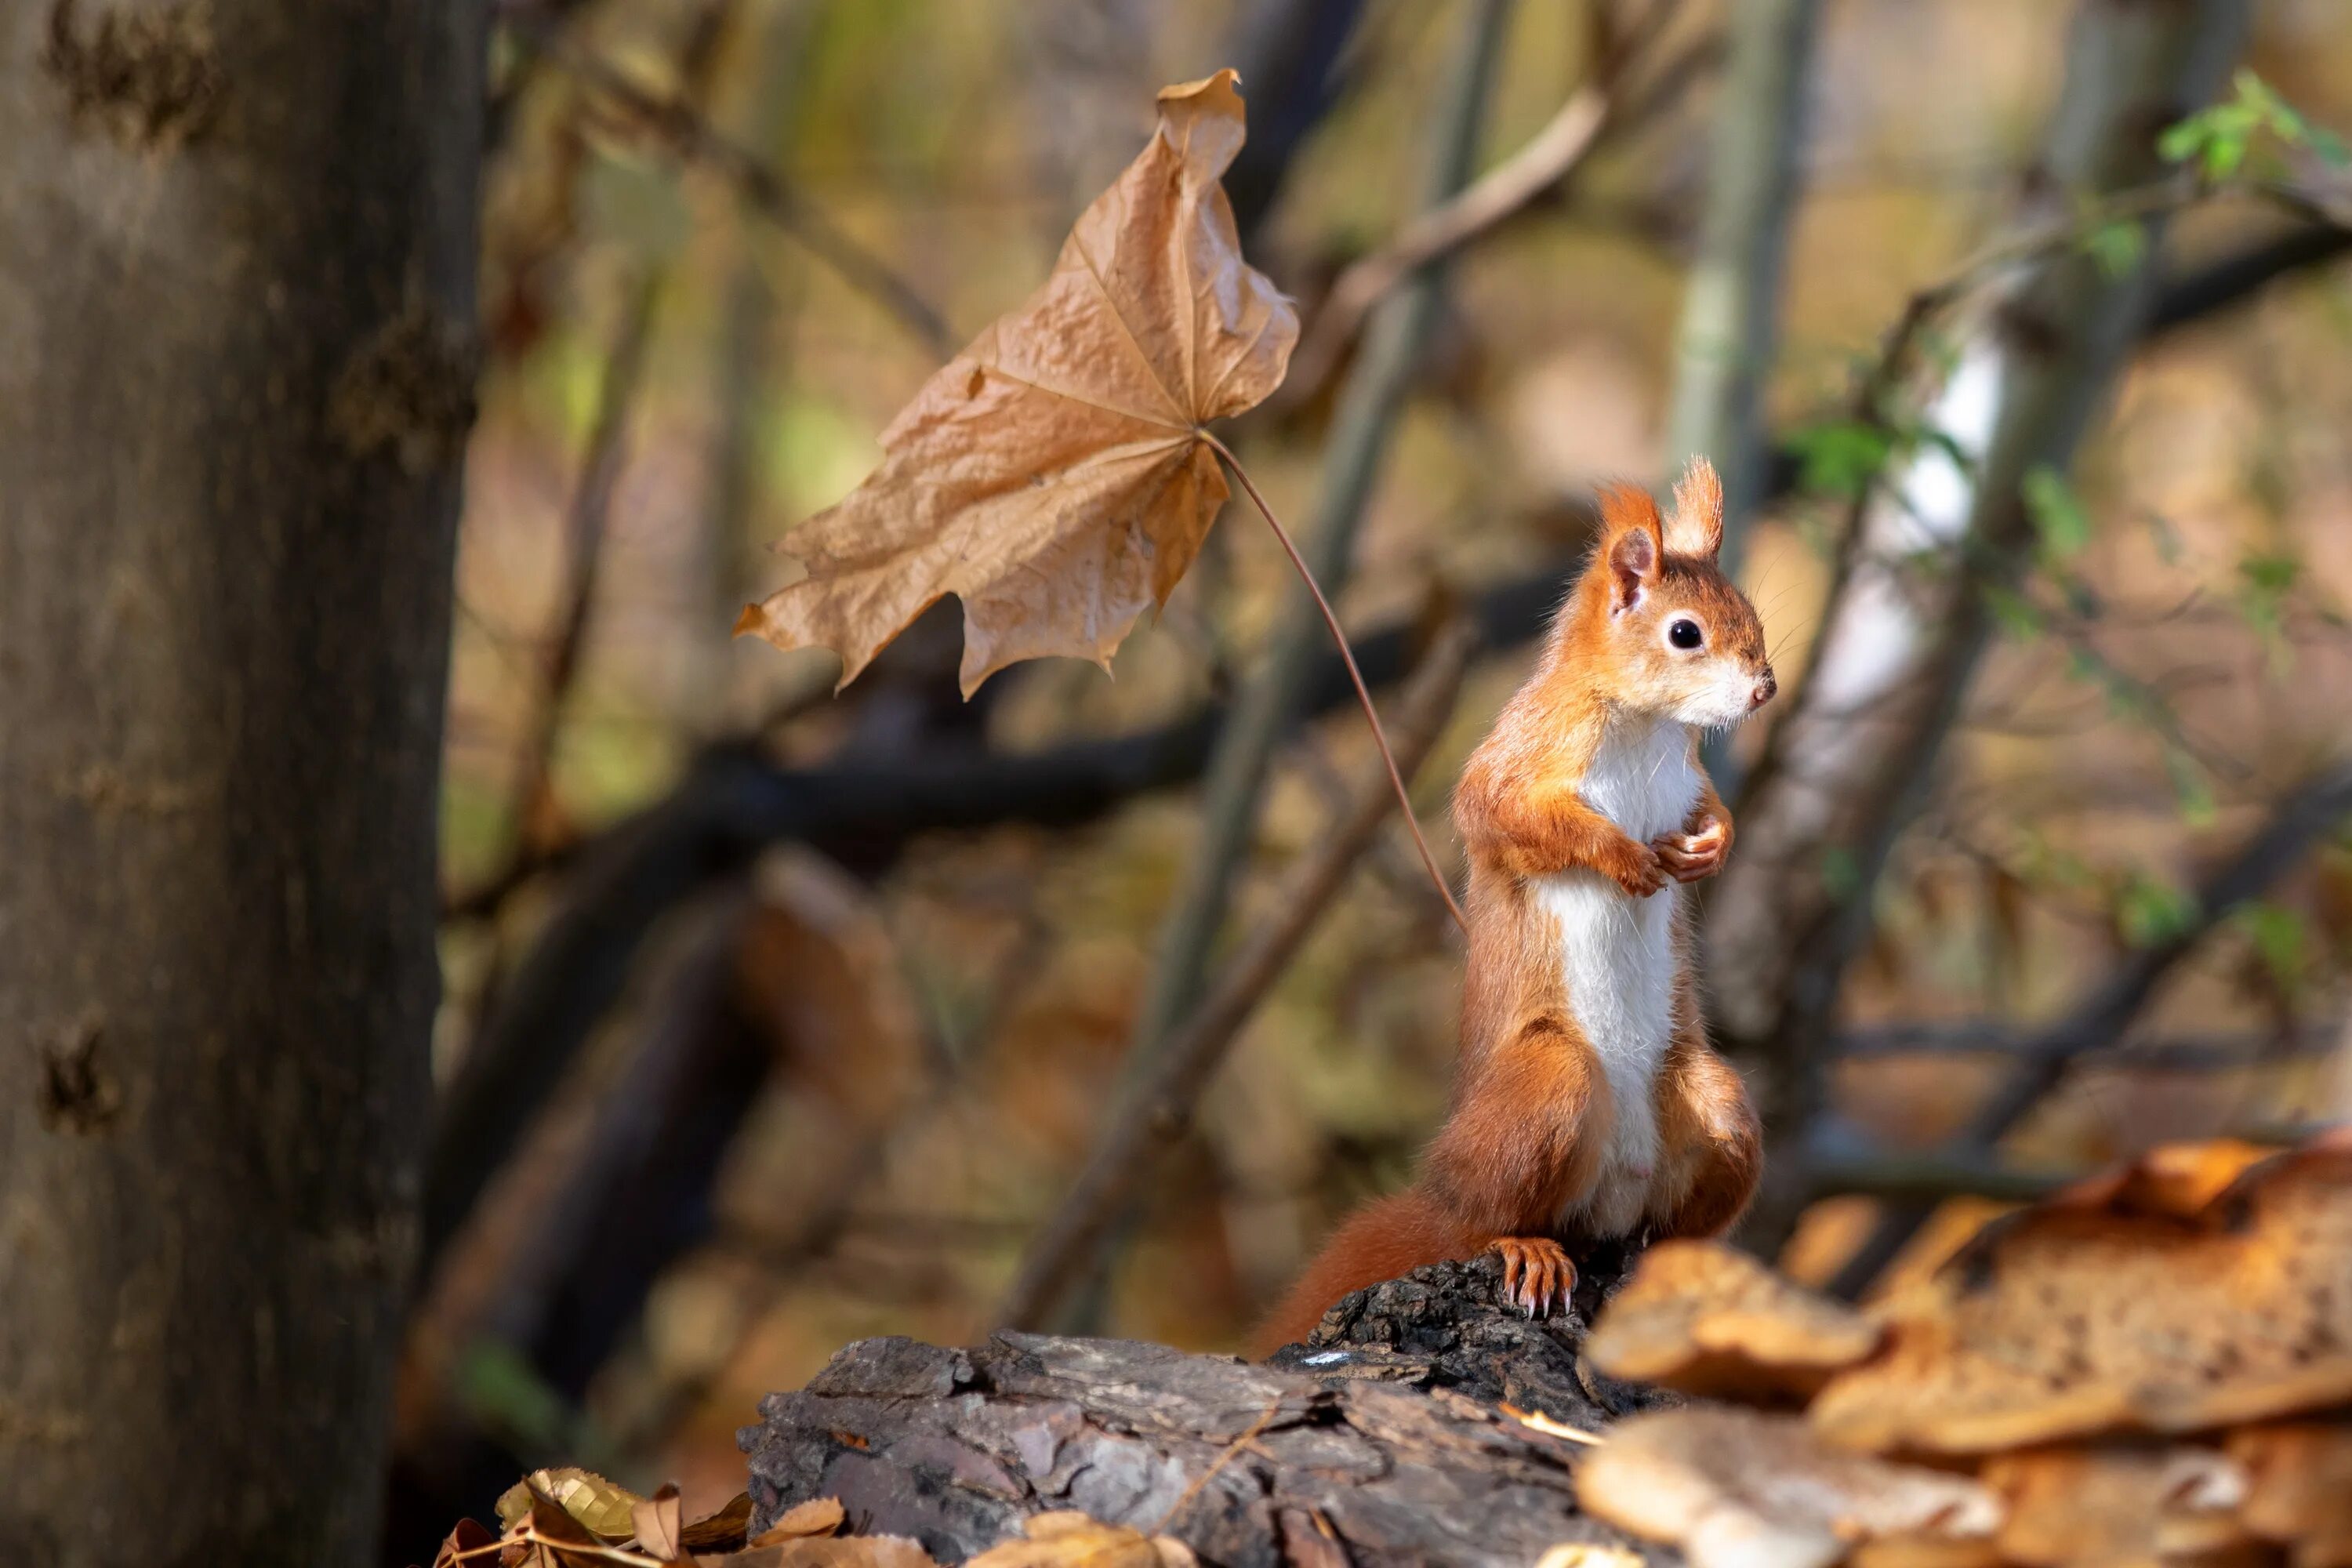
1901	640
1382	1440
237	247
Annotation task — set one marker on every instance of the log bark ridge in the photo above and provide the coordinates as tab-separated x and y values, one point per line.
1383	1439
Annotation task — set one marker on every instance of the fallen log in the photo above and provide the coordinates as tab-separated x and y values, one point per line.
1400	1433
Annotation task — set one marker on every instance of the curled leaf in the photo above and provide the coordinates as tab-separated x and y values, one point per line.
1052	474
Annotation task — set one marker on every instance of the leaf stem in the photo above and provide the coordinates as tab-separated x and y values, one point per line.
1347	657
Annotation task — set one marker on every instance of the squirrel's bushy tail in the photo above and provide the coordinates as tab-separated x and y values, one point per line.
1386	1237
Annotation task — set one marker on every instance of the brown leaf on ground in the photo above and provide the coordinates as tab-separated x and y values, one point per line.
2071	1319
1704	1319
661	1526
1736	1488
1069	1540
1052	476
2115	1505
817	1517
468	1538
832	1552
726	1530
607	1509
2298	1488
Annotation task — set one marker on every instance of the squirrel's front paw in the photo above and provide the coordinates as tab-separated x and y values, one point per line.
1641	871
1689	856
1537	1273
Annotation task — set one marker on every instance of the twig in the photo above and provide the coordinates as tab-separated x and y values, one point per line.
1156	1115
2102	1018
1439	231
690	137
1581	125
1231	1452
585	531
1356	676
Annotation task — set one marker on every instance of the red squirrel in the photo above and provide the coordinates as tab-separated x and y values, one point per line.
1587	1102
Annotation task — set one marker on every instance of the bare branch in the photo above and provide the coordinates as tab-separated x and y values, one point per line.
2101	1019
1156	1112
680	127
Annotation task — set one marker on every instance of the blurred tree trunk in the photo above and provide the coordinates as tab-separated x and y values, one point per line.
236	269
1900	639
1730	323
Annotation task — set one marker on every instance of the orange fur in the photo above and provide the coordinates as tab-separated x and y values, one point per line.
1528	1135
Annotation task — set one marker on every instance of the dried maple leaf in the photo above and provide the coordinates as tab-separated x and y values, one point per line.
817	1517
1705	1319
1054	476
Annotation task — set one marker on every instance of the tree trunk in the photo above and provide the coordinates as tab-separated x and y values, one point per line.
236	265
1901	640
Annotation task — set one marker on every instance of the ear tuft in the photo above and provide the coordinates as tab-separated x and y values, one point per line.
1696	527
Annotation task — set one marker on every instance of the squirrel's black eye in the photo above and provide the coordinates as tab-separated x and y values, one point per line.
1685	634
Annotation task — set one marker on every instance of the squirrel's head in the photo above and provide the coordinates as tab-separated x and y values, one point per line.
1673	636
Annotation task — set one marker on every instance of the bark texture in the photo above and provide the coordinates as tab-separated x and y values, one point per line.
236	259
1382	1436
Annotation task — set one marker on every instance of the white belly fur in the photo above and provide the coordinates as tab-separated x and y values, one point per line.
1617	958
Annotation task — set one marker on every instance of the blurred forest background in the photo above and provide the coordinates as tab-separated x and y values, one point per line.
774	1018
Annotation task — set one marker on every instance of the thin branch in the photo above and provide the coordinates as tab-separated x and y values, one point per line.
584	532
1594	113
2169	1054
1355	675
691	138
1156	1115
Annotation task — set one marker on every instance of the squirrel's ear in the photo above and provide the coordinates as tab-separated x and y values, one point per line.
1696	527
1631	546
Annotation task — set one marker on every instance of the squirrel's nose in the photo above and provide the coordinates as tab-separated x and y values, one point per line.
1765	687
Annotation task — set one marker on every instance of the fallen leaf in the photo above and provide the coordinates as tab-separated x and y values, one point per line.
1053	476
550	1536
1070	1540
659	1525
2065	1506
608	1510
817	1517
1740	1489
469	1537
1705	1319
725	1531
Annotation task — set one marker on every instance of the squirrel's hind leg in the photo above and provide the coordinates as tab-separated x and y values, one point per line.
1712	1148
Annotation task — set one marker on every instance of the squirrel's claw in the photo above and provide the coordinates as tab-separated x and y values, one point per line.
1537	1273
